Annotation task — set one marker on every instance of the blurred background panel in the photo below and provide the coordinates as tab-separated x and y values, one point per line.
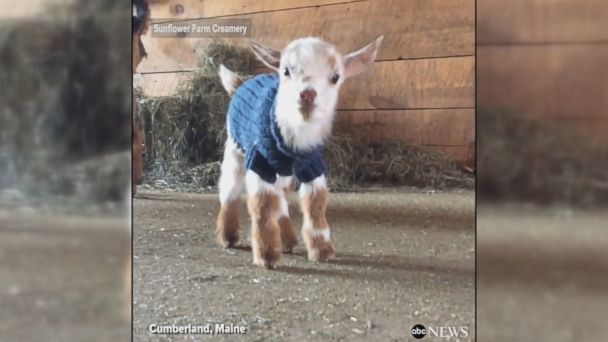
65	130
542	96
546	60
25	9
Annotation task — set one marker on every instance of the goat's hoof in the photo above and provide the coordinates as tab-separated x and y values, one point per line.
270	259
288	246
322	251
227	240
288	235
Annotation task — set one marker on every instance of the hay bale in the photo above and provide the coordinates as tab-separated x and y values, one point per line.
390	163
184	133
184	136
64	80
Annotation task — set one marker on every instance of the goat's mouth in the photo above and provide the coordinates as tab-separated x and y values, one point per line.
306	109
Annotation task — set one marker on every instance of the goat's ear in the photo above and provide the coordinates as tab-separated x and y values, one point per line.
269	56
356	62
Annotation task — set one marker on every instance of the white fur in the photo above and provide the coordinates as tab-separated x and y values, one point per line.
232	173
256	185
311	187
284	206
307	189
282	183
314	232
230	80
306	60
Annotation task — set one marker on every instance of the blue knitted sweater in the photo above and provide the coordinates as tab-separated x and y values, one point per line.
252	124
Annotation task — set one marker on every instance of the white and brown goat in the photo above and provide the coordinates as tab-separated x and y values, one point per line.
303	103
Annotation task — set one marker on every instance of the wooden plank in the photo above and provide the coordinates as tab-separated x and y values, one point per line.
449	127
428	83
183	56
412	29
544	81
170	54
217	8
541	21
458	153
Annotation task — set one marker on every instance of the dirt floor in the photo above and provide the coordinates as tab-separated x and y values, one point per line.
403	257
62	279
542	274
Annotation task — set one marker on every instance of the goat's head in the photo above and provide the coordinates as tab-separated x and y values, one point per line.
311	74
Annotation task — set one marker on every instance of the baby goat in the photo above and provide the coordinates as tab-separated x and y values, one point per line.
277	126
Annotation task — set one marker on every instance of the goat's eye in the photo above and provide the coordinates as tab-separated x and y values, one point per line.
286	72
334	79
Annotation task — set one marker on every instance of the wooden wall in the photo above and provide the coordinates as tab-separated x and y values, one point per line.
421	89
547	59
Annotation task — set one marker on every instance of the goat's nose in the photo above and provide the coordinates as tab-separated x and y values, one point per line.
308	95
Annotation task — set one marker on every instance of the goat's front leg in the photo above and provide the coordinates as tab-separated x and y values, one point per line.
263	204
288	234
314	198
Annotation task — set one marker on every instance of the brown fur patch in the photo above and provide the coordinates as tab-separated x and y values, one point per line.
288	234
237	83
228	224
314	207
318	249
321	250
305	113
265	231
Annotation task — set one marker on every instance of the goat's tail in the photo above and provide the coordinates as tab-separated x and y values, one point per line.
230	79
141	17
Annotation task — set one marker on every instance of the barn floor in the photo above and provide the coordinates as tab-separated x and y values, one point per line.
62	278
403	257
542	274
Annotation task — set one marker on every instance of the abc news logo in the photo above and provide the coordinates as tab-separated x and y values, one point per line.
419	331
